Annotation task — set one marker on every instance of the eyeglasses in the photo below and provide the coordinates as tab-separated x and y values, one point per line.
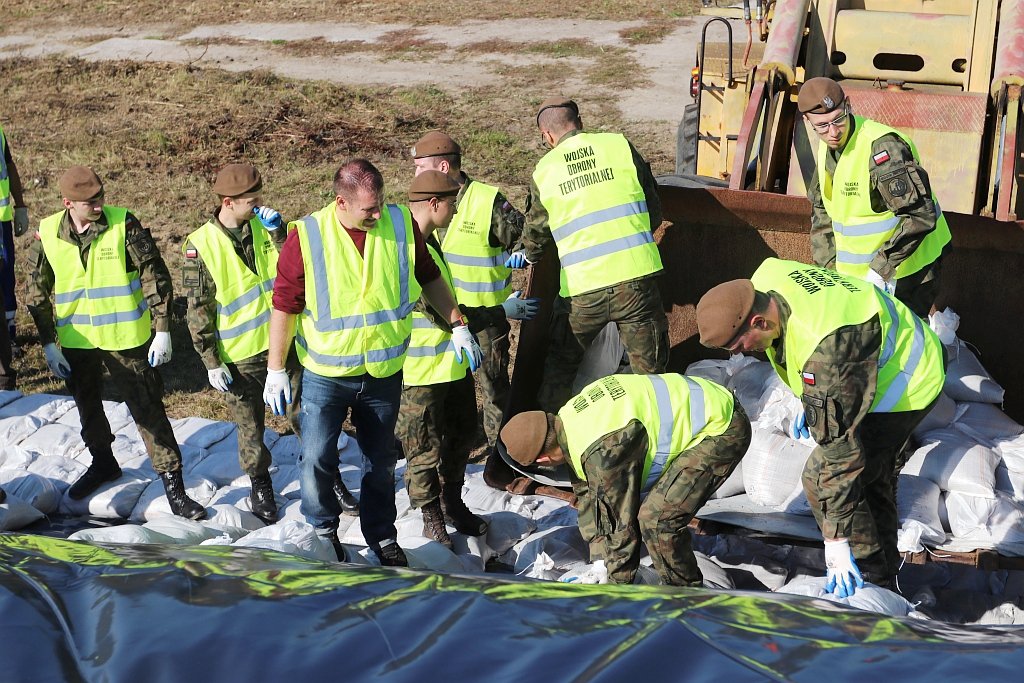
838	122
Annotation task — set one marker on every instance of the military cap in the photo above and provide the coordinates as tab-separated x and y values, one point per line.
236	180
722	312
80	184
555	102
429	184
820	96
434	144
524	436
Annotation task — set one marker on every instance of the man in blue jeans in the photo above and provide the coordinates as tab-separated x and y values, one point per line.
347	279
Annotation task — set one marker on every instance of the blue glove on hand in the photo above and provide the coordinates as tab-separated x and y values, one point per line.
843	575
270	218
517	259
799	430
517	308
466	346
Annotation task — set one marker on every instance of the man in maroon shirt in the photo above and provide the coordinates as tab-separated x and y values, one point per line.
330	298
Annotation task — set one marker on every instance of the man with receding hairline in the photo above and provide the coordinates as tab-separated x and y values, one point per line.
347	279
594	197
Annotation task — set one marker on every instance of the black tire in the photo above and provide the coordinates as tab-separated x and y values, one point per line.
686	137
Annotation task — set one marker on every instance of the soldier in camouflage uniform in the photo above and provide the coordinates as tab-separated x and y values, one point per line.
891	229
867	371
645	453
478	257
438	414
594	196
236	364
107	278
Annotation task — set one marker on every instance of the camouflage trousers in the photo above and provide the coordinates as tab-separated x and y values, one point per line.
437	427
248	411
615	516
142	388
884	440
492	378
634	306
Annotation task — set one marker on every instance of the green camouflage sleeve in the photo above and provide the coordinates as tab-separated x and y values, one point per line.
900	185
823	245
608	517
201	293
153	274
536	231
839	386
506	224
650	187
40	287
482	317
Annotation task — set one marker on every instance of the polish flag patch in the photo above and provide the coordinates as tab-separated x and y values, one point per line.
881	157
191	252
808	378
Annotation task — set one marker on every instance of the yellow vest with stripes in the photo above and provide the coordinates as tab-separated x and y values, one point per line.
678	413
244	298
858	230
910	371
431	355
358	307
478	269
101	305
597	211
6	200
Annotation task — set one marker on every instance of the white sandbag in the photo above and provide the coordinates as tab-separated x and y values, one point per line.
939	417
485	499
130	454
349	453
220	466
749	384
229	444
733	485
779	407
180	530
917	502
46	407
13	430
506	529
945	324
35	490
284	477
870	598
113	500
228	518
286	450
200	432
986	422
16	457
125	533
1011	450
62	472
719	371
153	501
1010	482
967	379
17	514
548	554
772	471
715	576
472	551
955	462
989	522
603	357
586	574
424	553
117	414
297	538
292	510
54	439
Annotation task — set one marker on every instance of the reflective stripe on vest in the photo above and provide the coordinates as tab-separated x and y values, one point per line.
244	298
597	212
358	315
431	356
677	412
859	231
100	305
478	270
821	301
6	201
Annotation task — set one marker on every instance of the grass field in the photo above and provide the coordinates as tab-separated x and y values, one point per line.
158	132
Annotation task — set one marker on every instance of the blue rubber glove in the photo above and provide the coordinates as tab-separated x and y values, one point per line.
270	218
799	430
517	259
843	575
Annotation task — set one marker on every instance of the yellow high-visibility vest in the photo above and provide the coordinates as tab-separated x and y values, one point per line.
6	200
478	269
431	355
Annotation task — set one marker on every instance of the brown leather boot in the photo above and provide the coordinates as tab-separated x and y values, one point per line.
456	512
433	524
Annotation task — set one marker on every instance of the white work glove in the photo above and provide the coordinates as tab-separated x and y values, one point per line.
596	573
466	346
270	218
219	378
517	308
56	361
517	259
160	349
20	220
887	286
277	392
843	576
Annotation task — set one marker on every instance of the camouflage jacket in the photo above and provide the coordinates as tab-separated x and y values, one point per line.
915	208
201	291
142	254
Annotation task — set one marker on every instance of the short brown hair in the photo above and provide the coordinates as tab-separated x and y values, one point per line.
357	174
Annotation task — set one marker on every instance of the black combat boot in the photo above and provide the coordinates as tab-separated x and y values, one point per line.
348	502
390	554
181	504
261	498
331	536
433	524
456	512
103	469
